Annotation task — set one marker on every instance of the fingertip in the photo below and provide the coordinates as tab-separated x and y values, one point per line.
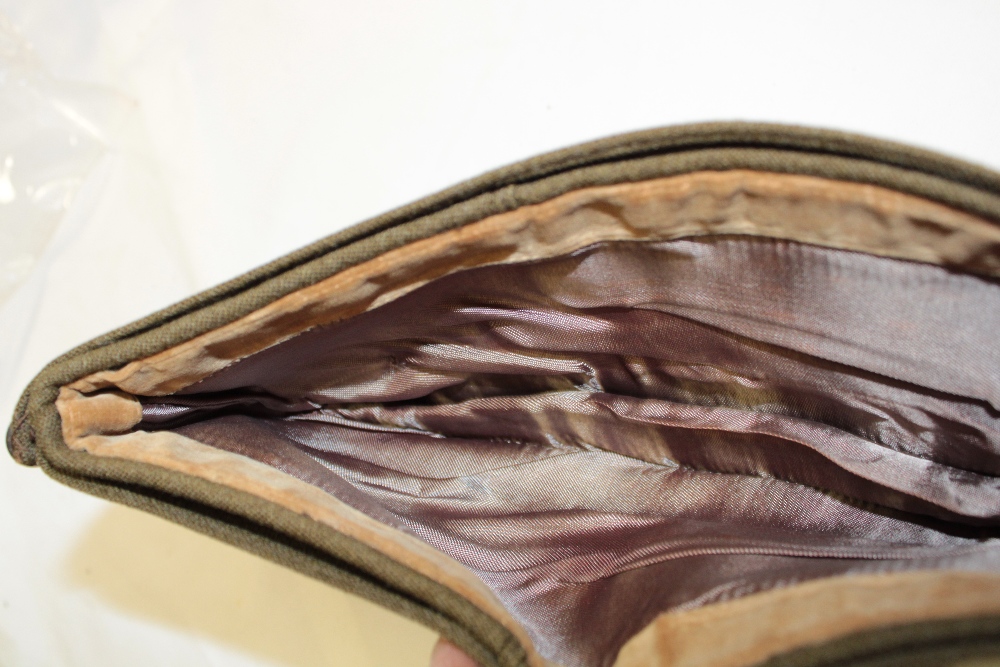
446	654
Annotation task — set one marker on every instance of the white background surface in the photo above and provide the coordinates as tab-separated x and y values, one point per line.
252	128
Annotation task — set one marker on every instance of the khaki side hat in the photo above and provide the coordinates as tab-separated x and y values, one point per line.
718	395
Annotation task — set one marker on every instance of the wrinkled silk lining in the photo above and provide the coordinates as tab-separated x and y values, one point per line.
638	427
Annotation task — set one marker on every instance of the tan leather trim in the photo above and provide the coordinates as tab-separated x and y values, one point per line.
102	414
175	452
751	629
803	208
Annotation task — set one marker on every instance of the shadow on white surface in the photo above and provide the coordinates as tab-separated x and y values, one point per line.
7	649
149	568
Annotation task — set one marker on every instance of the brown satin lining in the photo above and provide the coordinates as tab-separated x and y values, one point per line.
641	427
809	209
877	403
171	451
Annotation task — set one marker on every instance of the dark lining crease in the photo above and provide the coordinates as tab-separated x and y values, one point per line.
621	431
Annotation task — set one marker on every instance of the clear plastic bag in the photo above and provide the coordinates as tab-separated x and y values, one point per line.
52	135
